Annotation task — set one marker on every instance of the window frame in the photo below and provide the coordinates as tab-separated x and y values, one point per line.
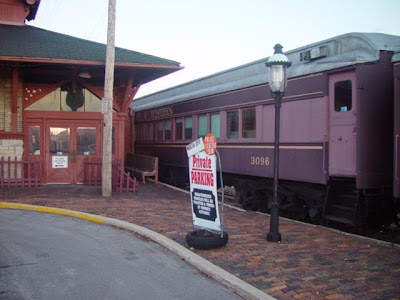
198	125
219	125
340	108
184	128
171	130
238	125
176	130
241	121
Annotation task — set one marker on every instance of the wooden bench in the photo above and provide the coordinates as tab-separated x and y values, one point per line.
142	165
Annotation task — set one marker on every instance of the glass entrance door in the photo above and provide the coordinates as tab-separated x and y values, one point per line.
59	168
68	146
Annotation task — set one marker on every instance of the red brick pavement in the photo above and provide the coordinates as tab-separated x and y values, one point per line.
311	262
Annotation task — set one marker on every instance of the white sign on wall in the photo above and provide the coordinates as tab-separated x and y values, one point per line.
59	162
203	190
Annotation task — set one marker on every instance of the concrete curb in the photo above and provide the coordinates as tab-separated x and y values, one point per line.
225	278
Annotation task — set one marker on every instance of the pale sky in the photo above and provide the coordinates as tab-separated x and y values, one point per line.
209	36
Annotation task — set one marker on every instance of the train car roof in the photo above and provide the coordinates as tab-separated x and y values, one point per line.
396	57
337	52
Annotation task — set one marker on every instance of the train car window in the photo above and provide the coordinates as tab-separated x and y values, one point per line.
160	131
188	128
168	130
145	132
202	126
178	129
249	123
215	125
151	131
343	95
138	132
232	126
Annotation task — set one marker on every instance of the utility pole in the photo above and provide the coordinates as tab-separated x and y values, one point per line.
107	103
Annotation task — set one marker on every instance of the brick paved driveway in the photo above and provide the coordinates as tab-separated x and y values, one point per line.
310	263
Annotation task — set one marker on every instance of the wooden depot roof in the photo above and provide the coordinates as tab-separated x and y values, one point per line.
29	44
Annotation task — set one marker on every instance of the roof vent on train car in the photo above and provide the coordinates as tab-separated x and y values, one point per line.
314	53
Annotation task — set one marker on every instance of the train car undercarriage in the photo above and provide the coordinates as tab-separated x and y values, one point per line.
339	202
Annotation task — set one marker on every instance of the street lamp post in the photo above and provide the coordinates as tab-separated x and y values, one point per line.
277	65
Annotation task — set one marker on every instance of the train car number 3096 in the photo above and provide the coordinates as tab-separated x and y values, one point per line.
259	160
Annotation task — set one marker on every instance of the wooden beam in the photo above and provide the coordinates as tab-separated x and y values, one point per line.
96	90
128	93
14	100
99	92
125	107
33	92
90	63
108	102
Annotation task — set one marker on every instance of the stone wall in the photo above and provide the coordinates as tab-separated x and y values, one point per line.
11	148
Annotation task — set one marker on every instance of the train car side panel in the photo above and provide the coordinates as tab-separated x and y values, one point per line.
375	123
297	162
396	167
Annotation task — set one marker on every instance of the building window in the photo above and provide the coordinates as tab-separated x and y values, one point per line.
63	99
343	95
159	131
215	125
59	140
87	140
168	130
188	128
34	140
232	126
249	123
178	129
202	126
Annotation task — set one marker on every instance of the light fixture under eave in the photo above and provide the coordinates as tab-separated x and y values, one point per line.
85	75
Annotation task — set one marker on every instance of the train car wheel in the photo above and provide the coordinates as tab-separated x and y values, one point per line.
202	239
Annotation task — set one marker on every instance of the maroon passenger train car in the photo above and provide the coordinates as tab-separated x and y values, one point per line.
396	166
336	151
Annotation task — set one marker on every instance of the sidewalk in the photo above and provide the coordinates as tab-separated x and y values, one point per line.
310	263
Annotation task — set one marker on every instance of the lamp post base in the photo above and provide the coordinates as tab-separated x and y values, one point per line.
274	237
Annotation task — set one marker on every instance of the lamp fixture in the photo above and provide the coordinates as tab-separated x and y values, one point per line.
85	74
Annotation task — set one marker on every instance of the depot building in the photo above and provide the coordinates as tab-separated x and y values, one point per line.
51	86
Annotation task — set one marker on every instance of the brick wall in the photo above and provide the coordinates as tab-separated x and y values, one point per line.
3	99
6	101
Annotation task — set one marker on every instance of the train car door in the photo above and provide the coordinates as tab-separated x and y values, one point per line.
342	124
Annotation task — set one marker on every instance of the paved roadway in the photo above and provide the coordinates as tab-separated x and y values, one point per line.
46	256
